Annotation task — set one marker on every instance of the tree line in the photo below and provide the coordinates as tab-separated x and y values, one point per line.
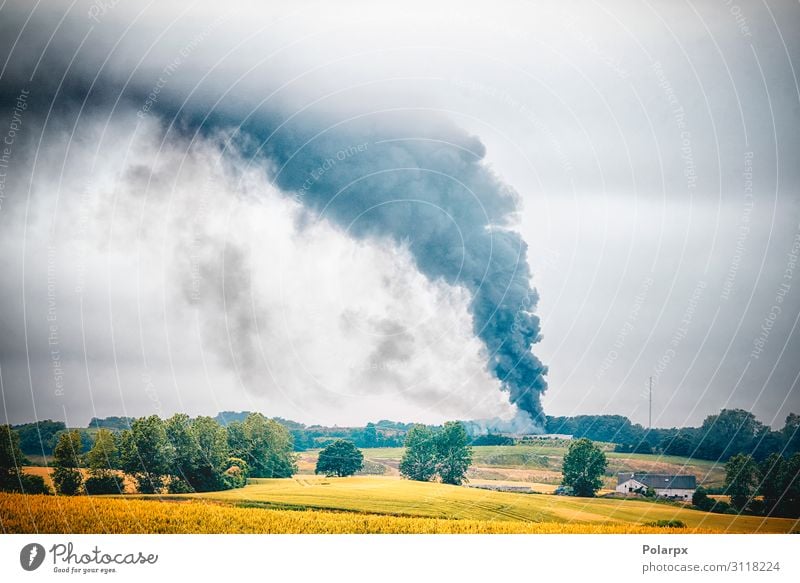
720	437
176	455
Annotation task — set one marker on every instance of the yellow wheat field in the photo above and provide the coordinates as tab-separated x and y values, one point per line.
21	513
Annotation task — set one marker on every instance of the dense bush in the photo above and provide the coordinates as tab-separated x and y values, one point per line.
493	439
667	523
108	484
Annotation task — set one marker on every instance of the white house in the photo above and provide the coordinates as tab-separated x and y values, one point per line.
665	485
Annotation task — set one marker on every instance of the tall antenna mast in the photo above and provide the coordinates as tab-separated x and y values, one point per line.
650	414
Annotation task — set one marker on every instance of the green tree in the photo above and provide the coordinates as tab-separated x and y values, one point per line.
731	432
213	454
237	442
453	453
791	433
701	500
790	487
340	458
583	467
40	437
442	452
419	458
11	459
146	454
678	444
67	477
772	483
370	436
741	480
265	445
103	461
12	476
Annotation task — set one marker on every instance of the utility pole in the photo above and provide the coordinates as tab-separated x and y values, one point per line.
650	414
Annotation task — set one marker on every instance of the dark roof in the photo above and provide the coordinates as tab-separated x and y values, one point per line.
659	480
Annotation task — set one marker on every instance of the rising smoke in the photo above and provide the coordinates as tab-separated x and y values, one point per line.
422	182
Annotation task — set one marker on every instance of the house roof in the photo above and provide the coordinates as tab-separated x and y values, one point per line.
659	481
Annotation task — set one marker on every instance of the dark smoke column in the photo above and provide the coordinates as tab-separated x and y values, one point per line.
421	182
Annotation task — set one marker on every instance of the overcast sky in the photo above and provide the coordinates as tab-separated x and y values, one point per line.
163	249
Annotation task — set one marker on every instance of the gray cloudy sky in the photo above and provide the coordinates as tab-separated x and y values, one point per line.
161	250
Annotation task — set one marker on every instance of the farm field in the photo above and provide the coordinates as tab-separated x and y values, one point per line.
510	490
365	504
540	464
395	497
90	515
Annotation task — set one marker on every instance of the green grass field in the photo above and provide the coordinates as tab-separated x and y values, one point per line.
395	497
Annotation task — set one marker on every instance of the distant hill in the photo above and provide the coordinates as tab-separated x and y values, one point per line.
110	423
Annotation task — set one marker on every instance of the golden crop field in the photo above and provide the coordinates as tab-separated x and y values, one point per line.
395	497
21	513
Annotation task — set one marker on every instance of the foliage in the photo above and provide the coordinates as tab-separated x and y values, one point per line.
667	523
67	478
39	438
441	452
103	458
67	481
265	445
780	486
419	459
236	472
791	485
772	471
12	478
34	485
177	485
493	439
701	500
741	480
730	432
146	454
102	461
201	452
104	484
680	444
791	433
341	458
721	436
453	453
583	467
11	459
608	428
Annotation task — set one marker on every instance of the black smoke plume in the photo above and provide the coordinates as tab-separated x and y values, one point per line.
423	183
